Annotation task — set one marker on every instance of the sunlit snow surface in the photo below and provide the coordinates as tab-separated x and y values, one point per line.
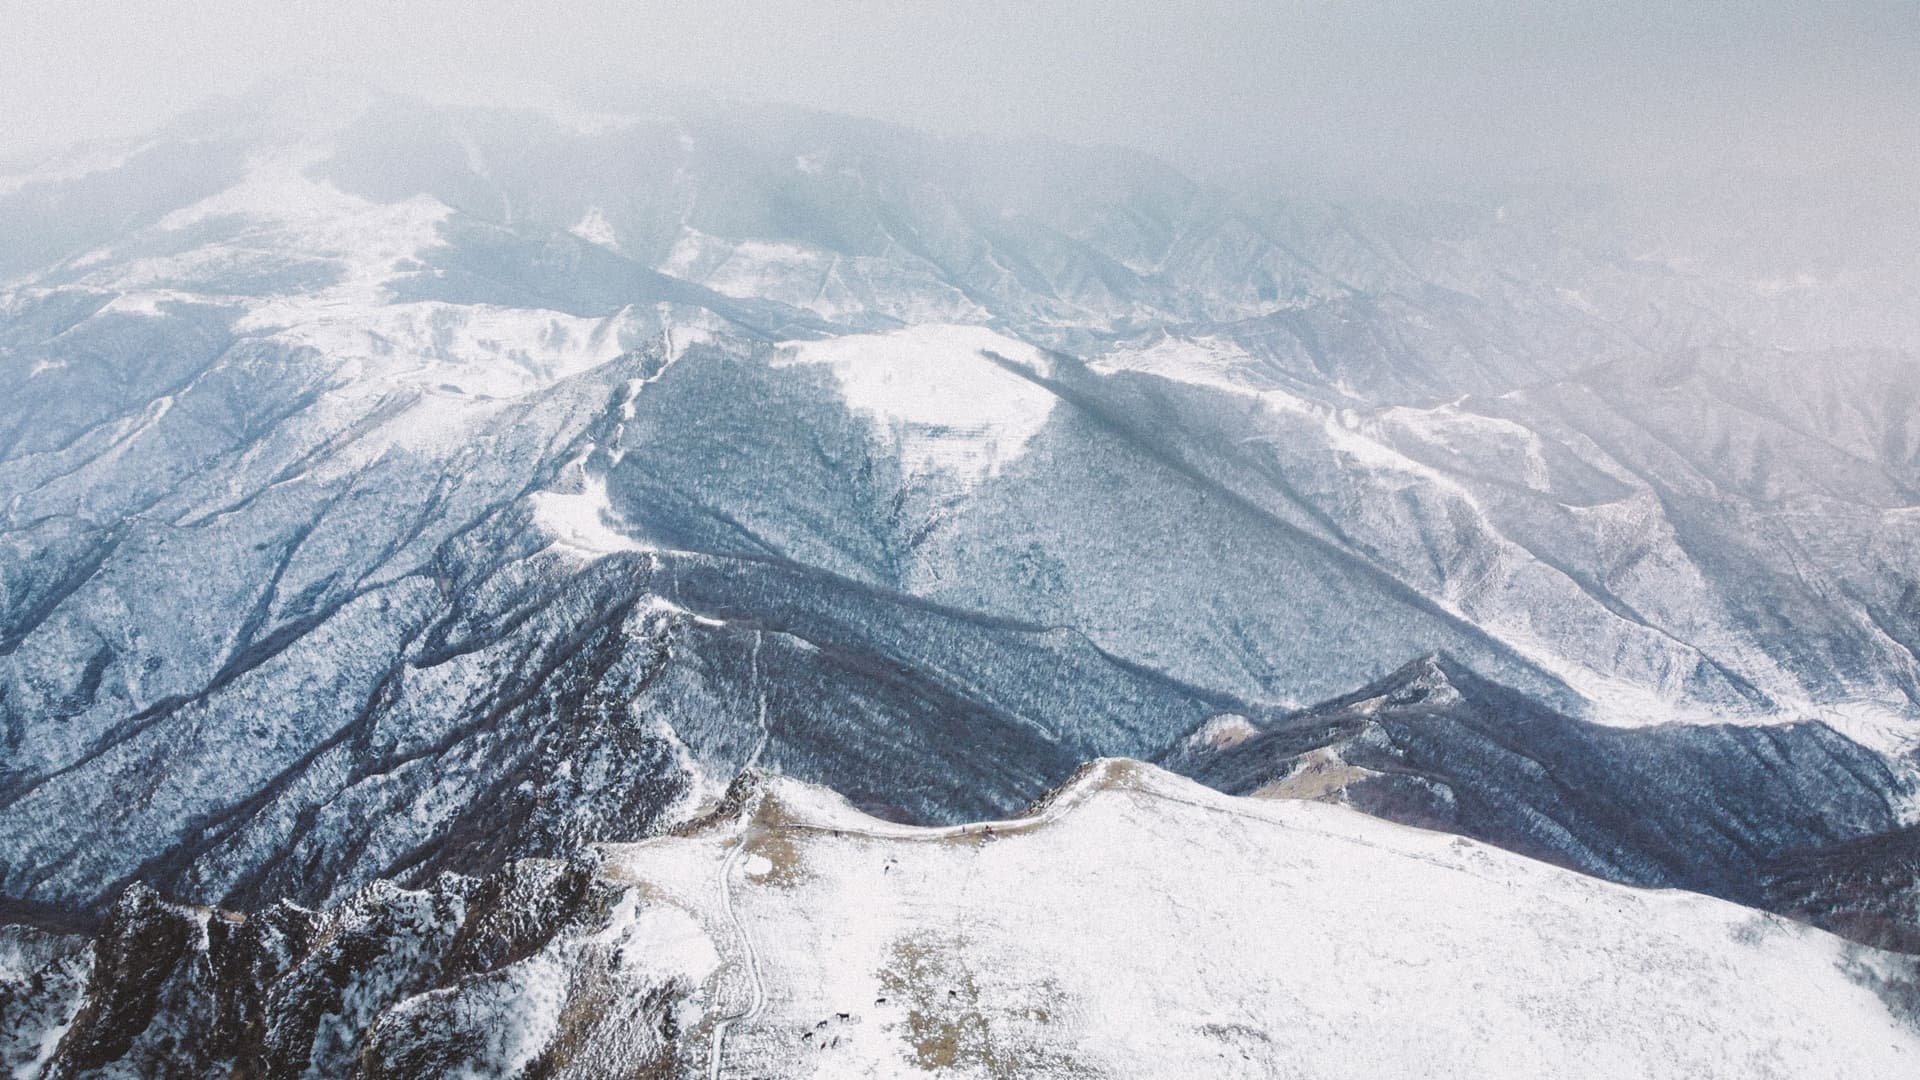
945	404
582	520
1144	926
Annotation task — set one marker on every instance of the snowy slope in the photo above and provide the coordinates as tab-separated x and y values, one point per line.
414	488
1135	924
1143	926
1706	807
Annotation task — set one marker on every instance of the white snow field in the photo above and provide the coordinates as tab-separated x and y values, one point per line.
945	406
1141	925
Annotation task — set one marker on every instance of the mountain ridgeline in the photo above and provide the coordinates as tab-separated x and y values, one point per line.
398	501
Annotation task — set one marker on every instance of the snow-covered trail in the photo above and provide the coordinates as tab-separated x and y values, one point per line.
758	993
907	941
757	989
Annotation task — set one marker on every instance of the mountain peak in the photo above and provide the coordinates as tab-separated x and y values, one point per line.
1432	680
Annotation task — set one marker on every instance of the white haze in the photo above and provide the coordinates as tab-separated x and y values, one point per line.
1349	97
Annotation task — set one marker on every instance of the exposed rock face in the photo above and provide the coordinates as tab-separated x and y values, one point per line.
790	934
43	984
286	992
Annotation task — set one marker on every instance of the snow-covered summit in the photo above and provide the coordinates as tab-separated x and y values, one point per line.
942	395
1132	924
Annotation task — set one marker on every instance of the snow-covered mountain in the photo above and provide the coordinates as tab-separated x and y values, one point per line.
1135	925
389	490
1715	808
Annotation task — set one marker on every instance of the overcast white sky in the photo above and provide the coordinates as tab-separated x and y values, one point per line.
1418	88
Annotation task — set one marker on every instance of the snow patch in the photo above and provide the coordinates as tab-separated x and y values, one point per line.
1222	732
594	228
1202	361
480	348
945	407
669	941
585	520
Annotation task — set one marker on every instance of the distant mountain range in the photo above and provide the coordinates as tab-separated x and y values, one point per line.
393	494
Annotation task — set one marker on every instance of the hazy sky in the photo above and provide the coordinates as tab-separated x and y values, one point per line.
1416	88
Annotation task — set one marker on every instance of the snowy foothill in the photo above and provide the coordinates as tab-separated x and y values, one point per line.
1141	925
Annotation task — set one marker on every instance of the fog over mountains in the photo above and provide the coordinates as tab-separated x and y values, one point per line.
399	501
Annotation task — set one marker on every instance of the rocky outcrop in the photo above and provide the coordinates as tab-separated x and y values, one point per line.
286	991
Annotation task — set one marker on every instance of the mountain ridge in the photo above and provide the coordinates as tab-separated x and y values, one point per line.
691	952
426	495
